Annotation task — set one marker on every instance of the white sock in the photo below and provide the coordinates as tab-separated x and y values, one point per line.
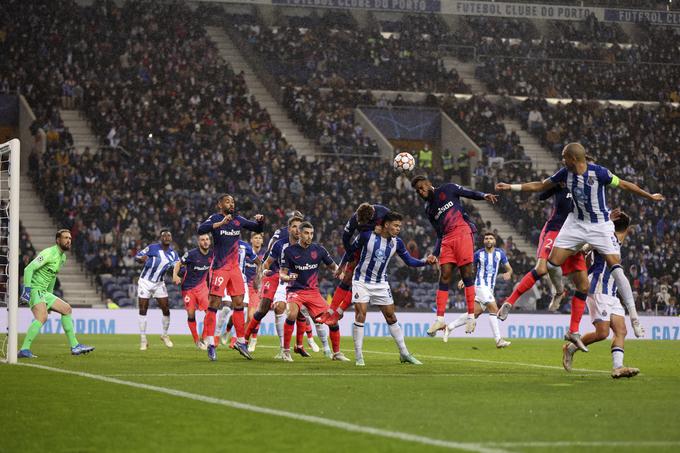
398	335
310	321
555	274
557	283
142	325
280	319
211	340
493	321
339	311
358	336
458	322
623	285
322	332
222	317
440	318
617	357
166	324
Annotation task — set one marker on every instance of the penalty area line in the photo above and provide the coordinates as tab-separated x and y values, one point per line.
336	424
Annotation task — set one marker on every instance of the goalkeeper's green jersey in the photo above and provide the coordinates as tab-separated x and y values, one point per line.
41	273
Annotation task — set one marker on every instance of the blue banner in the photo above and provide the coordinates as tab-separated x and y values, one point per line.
414	6
671	18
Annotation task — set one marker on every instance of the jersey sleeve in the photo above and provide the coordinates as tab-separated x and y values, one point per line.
275	252
460	191
349	230
144	252
185	259
559	176
504	257
206	227
255	227
406	256
325	256
285	258
476	258
606	177
272	241
549	193
38	262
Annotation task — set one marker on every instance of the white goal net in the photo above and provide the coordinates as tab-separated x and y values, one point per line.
9	249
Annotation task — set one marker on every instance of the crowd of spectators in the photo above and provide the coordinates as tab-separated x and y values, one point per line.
177	119
319	56
328	118
639	144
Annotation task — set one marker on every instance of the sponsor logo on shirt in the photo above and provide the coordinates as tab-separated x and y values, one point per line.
306	267
230	233
443	209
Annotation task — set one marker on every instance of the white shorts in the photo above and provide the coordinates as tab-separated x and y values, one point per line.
372	293
484	296
575	233
602	306
146	289
280	294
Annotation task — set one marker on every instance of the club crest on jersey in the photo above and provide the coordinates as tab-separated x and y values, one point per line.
314	255
591	180
442	196
237	222
604	313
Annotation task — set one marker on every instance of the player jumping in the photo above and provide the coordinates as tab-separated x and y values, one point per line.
588	223
39	278
455	242
370	283
366	218
226	273
157	259
487	261
605	309
300	269
574	267
194	285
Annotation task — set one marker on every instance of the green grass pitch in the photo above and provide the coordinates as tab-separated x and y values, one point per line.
468	396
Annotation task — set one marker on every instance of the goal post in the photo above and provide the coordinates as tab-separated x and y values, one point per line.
9	245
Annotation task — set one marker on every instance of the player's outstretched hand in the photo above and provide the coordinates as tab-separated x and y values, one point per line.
431	259
259	218
506	276
615	214
502	186
491	198
176	280
658	197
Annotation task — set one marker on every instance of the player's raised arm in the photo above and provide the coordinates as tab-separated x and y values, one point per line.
535	186
634	188
256	226
408	259
142	255
473	194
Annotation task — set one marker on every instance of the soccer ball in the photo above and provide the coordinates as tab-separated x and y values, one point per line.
404	162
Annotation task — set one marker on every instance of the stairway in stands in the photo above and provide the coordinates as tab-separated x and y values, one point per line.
232	55
78	290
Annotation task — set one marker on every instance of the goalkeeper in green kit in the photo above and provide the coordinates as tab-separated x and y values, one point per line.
39	278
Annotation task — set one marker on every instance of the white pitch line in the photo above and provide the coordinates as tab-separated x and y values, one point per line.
496	362
404	375
489	362
337	424
585	443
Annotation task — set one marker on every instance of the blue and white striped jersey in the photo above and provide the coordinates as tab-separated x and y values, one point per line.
376	252
588	191
245	253
601	280
158	263
487	264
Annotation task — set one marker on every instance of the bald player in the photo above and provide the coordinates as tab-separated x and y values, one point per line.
588	223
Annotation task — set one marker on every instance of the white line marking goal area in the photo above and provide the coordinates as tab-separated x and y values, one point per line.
481	447
336	424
